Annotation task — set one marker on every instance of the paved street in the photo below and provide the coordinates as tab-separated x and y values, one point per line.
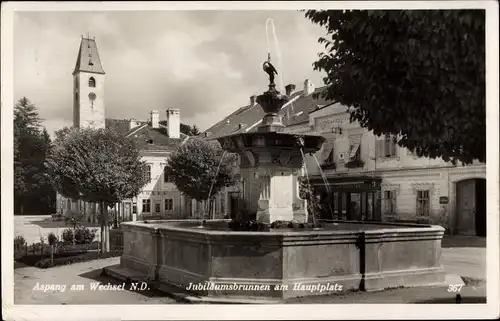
26	278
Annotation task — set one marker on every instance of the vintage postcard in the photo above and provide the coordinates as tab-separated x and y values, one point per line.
250	160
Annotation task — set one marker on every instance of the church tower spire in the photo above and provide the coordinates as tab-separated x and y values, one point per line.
88	87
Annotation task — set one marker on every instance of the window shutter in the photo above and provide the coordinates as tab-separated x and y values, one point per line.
393	147
379	148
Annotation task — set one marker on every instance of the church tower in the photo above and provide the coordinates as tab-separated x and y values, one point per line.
88	87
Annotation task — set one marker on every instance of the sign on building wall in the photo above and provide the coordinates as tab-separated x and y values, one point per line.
443	200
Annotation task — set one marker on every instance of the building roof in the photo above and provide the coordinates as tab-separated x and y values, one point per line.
88	58
146	137
294	113
118	125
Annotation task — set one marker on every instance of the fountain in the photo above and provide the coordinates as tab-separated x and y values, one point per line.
212	262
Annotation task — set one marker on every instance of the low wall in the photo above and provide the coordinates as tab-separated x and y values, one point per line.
283	264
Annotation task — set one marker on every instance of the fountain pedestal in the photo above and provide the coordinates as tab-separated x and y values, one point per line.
271	192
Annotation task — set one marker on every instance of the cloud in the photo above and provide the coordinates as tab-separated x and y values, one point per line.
206	63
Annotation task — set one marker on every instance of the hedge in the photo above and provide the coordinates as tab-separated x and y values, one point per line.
66	258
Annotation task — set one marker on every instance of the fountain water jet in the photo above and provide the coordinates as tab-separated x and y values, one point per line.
325	181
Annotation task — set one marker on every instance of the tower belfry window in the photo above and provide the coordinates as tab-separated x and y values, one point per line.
91	82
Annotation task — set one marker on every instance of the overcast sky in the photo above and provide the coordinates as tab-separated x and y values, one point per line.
206	63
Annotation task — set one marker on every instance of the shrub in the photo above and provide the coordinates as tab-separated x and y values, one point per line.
19	242
70	259
67	236
248	225
84	235
52	239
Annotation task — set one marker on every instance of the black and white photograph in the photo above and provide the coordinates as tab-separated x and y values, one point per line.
250	160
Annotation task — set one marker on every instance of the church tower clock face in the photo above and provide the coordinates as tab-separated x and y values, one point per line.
92	97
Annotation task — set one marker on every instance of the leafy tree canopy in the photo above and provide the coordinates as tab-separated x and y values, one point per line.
96	165
418	74
200	168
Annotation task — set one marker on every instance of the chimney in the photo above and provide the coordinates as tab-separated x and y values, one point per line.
155	118
253	100
173	123
132	123
308	87
289	89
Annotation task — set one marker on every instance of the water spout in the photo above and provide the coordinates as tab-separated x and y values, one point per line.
214	179
270	22
325	181
308	182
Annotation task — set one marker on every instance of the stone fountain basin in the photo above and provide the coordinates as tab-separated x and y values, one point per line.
282	263
284	141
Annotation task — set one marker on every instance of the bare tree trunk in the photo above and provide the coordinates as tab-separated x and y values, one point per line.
212	209
104	227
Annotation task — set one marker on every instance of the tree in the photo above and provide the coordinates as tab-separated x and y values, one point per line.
32	192
186	129
201	169
26	115
97	166
195	131
418	74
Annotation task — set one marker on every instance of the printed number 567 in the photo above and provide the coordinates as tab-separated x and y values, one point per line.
455	287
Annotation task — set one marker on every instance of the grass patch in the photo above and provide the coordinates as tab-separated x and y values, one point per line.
473	281
65	258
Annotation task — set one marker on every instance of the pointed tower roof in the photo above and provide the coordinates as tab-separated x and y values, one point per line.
88	58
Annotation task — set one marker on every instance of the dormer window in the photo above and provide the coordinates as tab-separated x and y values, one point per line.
91	82
150	142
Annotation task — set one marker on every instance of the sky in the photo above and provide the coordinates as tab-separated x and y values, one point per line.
206	63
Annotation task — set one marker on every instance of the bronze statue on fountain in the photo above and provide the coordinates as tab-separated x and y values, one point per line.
271	102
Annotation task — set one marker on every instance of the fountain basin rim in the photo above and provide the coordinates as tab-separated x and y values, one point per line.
162	225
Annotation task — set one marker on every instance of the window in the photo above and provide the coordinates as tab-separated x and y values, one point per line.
423	203
389	202
146	206
147	173
91	82
222	203
167	178
169	205
157	208
150	141
134	208
386	147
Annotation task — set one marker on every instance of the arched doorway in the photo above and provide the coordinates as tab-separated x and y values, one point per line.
471	207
